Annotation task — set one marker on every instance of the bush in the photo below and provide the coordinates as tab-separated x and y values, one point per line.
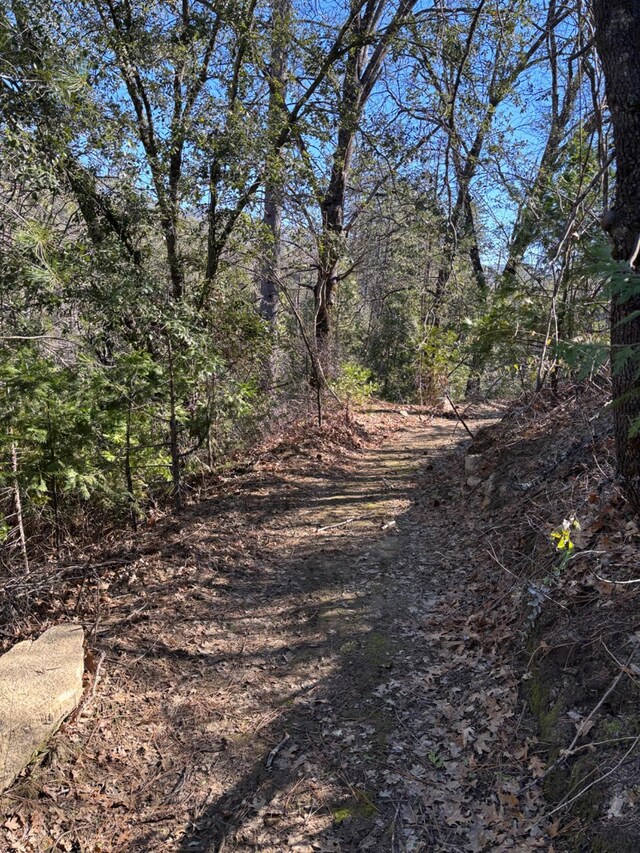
354	383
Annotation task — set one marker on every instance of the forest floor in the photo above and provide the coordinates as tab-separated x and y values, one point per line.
294	663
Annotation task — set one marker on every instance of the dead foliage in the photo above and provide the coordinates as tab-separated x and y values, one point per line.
572	613
339	646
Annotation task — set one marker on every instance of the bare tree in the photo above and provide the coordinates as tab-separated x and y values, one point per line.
372	39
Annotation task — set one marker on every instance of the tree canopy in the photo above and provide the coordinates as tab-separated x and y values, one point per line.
211	209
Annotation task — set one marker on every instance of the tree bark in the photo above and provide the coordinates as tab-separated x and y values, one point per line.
617	28
272	215
332	205
18	507
99	215
363	68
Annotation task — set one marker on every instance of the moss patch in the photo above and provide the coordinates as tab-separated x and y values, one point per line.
377	649
545	713
359	806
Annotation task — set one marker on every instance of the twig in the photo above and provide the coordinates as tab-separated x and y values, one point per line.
393	830
357	793
569	751
622	666
615	583
596	781
494	557
118	561
276	749
459	416
38	338
593	712
96	676
593	743
89	697
342	523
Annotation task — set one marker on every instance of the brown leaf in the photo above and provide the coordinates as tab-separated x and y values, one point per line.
536	765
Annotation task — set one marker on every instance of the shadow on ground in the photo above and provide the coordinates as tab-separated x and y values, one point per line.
308	779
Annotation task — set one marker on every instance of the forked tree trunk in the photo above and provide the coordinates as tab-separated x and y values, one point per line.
362	70
333	203
617	27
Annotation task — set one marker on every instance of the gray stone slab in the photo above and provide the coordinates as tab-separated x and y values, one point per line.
40	685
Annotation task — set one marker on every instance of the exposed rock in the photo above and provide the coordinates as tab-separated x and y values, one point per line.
473	462
474	482
487	488
40	684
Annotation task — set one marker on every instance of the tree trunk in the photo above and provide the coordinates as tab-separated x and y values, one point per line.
332	241
363	68
324	299
174	438
18	507
332	205
270	264
462	226
272	215
617	26
176	273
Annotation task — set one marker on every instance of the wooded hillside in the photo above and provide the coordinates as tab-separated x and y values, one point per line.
231	229
214	210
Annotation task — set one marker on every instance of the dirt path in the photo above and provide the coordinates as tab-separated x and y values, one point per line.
282	672
327	635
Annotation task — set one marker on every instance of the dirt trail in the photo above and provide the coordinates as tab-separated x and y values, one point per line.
278	674
325	638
